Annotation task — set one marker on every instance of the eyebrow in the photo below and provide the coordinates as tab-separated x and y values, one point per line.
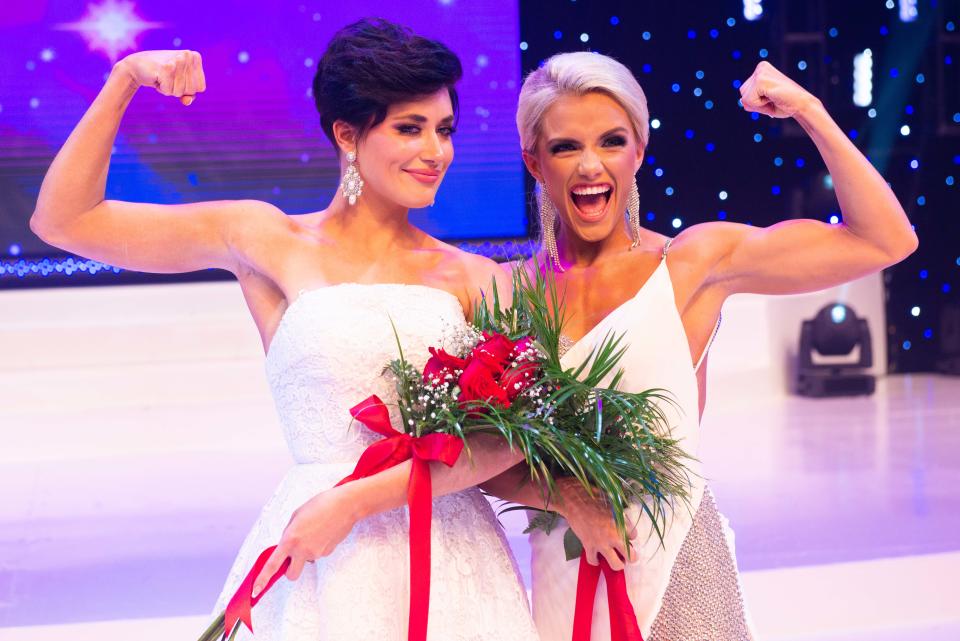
421	119
615	130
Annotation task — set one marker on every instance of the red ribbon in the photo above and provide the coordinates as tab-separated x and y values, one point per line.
623	620
395	448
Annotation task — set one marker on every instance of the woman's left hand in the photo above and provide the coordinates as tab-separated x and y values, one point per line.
770	92
314	531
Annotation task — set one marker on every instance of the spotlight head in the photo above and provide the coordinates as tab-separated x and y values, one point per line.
835	332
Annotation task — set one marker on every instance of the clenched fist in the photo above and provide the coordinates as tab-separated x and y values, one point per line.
172	73
770	92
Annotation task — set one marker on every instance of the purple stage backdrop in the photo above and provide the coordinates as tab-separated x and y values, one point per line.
255	133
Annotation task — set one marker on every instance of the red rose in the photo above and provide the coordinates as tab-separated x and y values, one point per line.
440	365
477	383
515	380
494	352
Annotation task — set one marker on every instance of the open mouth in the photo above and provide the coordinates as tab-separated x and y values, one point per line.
590	201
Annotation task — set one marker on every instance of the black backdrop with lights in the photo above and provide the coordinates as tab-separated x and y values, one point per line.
710	160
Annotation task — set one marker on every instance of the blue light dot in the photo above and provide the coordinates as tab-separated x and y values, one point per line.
614	20
958	261
923	274
775	190
834	219
920	78
699	75
853	134
658	172
584	37
956	117
708	104
557	34
754	116
951	26
872	113
668	191
731	22
764	53
650	215
949	181
956	159
736	54
655	123
691	34
945	288
697	92
736	84
833	33
894	72
906	345
722	215
689	134
802	65
884	31
645	35
928	333
710	147
948	60
778	161
675	88
14	250
757	137
921	200
523	46
676	223
723	196
915	311
714	33
914	164
647	68
652	160
799	162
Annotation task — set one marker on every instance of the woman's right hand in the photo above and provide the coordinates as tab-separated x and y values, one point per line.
172	73
592	521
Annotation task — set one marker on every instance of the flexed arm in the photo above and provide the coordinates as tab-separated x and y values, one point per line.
806	255
71	212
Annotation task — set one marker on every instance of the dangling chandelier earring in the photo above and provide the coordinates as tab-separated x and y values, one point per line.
633	213
548	218
351	184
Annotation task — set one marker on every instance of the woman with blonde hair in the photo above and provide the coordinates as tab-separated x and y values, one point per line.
583	123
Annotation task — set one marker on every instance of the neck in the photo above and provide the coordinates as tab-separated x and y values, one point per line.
576	252
374	224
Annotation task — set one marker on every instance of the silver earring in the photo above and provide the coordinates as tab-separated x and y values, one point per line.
352	183
548	218
633	213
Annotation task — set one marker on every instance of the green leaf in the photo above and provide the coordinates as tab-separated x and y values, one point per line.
572	546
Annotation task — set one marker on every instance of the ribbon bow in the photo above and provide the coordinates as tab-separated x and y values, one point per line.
395	448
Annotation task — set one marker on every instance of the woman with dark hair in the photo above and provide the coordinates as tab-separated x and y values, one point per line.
322	289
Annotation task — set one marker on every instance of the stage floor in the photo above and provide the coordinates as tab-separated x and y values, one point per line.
846	513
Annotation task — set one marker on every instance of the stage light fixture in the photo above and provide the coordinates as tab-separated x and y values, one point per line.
835	352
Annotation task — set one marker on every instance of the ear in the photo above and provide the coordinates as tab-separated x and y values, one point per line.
345	136
533	165
640	154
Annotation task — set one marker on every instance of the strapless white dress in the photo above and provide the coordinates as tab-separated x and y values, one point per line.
328	354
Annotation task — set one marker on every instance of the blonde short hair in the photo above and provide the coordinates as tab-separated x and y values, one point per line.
579	73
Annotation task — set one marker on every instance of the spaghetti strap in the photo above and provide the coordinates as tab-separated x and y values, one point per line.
709	343
666	246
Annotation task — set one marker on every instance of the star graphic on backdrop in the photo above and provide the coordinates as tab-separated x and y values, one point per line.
111	27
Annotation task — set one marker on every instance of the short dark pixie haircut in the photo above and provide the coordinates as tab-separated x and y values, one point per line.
374	63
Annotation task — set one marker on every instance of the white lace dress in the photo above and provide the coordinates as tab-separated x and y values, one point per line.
327	355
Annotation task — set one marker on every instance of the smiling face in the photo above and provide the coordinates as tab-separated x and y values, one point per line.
403	159
586	157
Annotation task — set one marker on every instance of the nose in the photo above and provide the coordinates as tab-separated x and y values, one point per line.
589	165
433	149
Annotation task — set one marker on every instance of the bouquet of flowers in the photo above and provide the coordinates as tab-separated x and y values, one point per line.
504	376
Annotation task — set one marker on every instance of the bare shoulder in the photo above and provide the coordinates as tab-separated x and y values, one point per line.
472	274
